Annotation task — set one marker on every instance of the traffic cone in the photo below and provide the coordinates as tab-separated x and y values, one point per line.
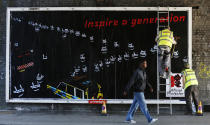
200	111
104	112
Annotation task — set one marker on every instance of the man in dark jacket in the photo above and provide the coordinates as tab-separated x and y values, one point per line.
139	81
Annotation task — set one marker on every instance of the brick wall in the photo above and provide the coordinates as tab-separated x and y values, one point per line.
201	44
201	36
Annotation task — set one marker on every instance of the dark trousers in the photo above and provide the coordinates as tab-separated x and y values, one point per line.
191	95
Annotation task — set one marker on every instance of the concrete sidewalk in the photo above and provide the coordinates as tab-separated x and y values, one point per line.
89	118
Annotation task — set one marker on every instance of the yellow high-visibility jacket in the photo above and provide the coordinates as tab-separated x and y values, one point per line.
190	78
165	38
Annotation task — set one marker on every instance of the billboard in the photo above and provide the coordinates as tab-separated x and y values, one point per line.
77	54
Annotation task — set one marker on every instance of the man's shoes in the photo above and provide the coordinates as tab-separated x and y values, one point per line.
130	122
153	121
166	69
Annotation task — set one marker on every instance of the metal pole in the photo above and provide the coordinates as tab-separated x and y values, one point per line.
158	87
83	95
115	81
170	65
75	93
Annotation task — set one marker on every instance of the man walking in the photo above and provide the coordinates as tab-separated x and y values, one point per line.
190	85
165	41
139	81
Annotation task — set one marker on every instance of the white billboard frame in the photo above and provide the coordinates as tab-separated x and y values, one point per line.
85	101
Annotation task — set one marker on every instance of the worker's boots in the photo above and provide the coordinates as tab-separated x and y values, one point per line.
167	72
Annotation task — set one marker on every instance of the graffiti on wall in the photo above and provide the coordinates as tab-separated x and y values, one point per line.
204	71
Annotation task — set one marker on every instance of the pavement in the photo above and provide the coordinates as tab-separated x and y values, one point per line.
93	118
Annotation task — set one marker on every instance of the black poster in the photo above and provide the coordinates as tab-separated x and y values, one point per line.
86	54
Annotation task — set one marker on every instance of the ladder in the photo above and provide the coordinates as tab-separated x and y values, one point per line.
162	23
